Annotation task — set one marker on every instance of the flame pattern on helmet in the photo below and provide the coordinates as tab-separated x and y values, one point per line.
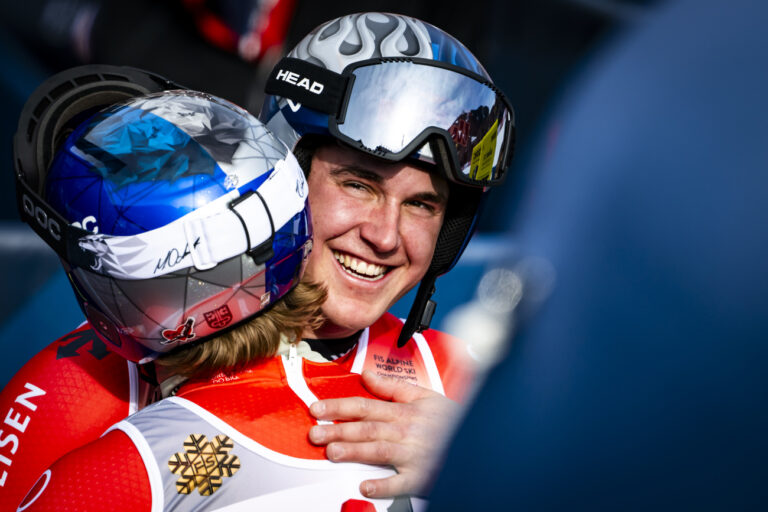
340	42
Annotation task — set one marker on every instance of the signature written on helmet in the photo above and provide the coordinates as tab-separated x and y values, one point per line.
299	81
175	256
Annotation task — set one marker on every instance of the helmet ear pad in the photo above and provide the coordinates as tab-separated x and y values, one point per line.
65	99
460	220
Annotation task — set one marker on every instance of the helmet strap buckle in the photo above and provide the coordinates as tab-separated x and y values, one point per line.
426	316
264	251
422	310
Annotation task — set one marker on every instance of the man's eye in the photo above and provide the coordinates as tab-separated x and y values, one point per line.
355	185
423	206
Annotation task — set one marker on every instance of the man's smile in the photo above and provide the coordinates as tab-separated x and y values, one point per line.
359	268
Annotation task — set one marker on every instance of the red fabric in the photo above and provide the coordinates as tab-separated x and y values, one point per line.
218	32
108	474
453	362
104	475
63	398
259	403
268	29
277	25
84	395
357	506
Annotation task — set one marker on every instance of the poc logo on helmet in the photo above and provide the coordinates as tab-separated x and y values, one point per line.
87	223
41	217
298	81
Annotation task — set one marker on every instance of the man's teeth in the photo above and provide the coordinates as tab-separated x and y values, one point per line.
359	267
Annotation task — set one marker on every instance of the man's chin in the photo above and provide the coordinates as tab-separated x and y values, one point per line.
330	330
340	324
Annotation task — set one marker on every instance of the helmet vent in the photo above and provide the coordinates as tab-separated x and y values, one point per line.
87	79
61	89
41	107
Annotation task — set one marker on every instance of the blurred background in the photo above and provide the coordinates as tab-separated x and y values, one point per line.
534	50
640	383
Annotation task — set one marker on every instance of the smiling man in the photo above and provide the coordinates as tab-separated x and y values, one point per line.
376	225
400	145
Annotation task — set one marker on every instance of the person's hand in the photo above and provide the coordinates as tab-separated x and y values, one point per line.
408	433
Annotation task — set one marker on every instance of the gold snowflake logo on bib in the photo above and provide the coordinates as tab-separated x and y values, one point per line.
203	464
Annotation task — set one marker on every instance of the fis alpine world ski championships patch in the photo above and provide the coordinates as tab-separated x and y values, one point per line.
203	464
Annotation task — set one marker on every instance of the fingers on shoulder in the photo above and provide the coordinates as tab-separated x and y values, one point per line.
357	432
394	389
349	408
391	487
374	452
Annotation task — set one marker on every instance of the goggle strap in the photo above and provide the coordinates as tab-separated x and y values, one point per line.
51	226
247	224
442	155
315	87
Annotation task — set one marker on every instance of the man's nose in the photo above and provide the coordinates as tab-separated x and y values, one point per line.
381	228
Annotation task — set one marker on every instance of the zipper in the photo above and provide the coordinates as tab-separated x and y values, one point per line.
295	376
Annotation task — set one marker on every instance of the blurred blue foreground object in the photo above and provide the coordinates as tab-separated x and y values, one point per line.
642	382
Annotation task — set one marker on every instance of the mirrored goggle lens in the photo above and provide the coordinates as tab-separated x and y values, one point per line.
394	106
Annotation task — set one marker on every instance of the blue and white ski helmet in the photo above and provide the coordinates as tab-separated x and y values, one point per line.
192	214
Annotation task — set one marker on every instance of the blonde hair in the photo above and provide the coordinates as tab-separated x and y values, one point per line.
256	339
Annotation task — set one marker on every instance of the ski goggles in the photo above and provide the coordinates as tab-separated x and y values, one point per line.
243	221
396	108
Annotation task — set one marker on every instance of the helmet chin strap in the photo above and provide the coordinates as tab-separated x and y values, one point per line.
422	309
463	209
